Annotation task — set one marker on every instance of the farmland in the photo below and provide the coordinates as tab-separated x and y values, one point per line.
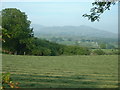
62	71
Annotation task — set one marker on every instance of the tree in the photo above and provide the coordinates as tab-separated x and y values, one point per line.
99	8
17	27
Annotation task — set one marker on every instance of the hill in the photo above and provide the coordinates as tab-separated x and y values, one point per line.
77	35
71	31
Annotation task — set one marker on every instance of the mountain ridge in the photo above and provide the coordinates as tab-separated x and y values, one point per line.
81	31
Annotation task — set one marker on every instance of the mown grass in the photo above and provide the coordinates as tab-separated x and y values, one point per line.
63	71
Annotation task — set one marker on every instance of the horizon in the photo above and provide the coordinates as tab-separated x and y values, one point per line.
72	26
65	14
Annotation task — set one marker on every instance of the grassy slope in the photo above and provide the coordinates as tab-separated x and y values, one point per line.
62	71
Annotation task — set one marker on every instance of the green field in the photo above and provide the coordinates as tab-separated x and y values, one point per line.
63	71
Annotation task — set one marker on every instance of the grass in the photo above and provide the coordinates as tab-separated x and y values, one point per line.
63	71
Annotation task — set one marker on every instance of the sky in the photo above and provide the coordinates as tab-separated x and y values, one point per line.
64	13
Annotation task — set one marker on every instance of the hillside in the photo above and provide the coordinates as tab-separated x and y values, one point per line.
71	31
77	35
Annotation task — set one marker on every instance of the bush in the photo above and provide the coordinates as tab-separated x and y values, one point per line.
41	51
99	52
76	50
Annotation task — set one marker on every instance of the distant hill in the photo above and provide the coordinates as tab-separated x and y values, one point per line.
71	31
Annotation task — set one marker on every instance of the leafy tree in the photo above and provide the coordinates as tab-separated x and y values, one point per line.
17	27
99	8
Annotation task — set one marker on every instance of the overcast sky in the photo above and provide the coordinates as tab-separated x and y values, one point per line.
64	13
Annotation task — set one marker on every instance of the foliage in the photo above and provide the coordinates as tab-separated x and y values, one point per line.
99	8
102	45
15	27
76	50
7	82
4	33
40	51
118	52
42	47
99	52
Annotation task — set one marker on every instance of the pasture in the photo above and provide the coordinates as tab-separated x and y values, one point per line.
62	71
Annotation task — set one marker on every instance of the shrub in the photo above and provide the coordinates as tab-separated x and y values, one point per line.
76	50
99	52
